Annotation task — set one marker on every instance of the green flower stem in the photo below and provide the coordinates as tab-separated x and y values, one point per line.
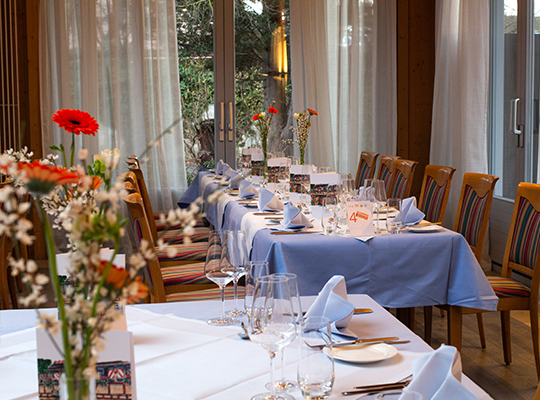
72	150
51	253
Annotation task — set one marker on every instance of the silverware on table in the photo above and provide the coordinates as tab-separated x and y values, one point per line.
378	388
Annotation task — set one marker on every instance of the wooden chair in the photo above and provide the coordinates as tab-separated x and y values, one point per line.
435	191
521	254
366	167
402	179
386	169
183	282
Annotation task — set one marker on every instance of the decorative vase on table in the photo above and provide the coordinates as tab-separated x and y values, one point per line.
83	200
263	120
303	123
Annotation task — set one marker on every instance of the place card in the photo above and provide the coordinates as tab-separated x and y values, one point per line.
323	186
360	218
299	176
247	153
276	166
115	366
257	164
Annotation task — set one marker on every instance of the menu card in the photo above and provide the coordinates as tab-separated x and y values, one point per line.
257	164
323	186
276	166
246	156
299	175
360	218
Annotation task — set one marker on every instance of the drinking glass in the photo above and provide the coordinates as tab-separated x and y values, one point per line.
239	262
316	364
218	269
379	194
366	194
330	204
306	196
323	170
272	323
393	226
256	270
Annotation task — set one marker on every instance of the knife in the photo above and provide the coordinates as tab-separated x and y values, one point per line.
375	390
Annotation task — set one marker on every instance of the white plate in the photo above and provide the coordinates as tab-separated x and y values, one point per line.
363	354
251	205
424	229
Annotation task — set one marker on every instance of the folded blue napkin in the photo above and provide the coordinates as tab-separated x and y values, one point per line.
227	172
332	303
366	194
246	190
235	179
293	218
219	167
437	376
409	214
268	201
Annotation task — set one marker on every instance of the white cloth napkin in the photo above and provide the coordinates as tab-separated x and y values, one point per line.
332	303
246	190
268	201
293	218
409	214
219	167
437	376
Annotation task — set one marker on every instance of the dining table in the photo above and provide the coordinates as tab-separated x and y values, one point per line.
179	356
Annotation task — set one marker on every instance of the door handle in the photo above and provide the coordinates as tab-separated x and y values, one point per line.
514	128
231	136
222	125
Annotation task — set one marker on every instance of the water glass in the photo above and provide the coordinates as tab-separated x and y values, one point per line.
256	270
316	365
329	215
391	225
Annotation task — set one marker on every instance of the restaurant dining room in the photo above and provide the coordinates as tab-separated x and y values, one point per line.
269	199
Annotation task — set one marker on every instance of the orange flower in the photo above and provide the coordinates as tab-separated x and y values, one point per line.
256	117
76	121
273	110
139	293
96	182
312	112
116	276
43	178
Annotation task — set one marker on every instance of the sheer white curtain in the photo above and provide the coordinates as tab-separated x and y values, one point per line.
344	66
459	128
118	61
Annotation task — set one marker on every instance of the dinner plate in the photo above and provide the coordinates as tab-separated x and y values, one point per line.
424	229
251	205
363	354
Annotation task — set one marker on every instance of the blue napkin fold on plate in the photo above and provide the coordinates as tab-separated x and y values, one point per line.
332	303
234	180
268	201
409	214
293	218
227	172
246	190
219	167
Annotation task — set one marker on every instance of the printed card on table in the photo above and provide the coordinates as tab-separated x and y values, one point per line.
360	218
276	166
299	175
115	366
324	186
247	153
257	161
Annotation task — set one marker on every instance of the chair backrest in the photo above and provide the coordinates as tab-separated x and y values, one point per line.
386	168
154	278
402	179
473	209
523	243
133	167
435	191
366	167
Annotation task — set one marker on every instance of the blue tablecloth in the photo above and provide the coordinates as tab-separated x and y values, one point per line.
193	190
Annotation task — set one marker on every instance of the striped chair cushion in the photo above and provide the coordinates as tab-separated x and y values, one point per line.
526	238
208	294
190	252
400	184
184	274
433	199
173	236
385	175
505	287
364	172
472	215
160	226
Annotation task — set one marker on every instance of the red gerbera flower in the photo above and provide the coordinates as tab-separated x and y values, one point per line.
76	121
41	178
256	117
273	110
312	112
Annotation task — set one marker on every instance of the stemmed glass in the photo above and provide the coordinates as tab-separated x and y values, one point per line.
379	193
331	204
306	196
272	323
219	270
239	262
256	270
284	177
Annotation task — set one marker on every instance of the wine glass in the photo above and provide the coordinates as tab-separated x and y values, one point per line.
239	262
379	193
256	270
331	204
218	269
272	323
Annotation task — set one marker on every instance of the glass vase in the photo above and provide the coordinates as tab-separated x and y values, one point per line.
83	389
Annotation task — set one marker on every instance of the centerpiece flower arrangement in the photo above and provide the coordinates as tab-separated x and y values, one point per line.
263	121
303	123
83	200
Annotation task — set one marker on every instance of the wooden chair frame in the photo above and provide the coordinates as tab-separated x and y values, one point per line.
389	162
370	158
441	175
407	168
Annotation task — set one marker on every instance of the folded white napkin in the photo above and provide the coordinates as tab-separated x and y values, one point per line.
268	201
293	218
409	214
219	167
235	179
332	303
227	172
437	376
247	190
366	193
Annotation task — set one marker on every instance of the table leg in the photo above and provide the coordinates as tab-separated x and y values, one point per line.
455	321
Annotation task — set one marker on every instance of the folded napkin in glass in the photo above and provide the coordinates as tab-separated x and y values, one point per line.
332	303
219	167
409	214
437	375
293	218
366	194
268	201
246	190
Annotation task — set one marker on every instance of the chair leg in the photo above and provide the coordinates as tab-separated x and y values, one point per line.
442	312
428	318
481	333
505	326
534	332
455	321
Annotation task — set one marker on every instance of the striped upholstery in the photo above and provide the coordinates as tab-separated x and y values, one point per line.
385	175
526	238
472	215
173	236
433	199
400	184
208	294
159	226
181	274
505	287
190	252
364	172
